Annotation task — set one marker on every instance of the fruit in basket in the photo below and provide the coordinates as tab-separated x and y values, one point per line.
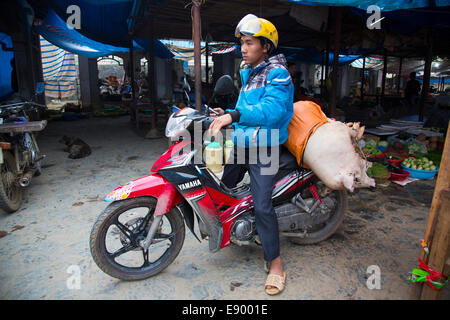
419	164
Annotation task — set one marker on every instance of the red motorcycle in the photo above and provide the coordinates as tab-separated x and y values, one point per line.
142	231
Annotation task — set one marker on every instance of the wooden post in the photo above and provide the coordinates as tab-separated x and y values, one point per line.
327	57
151	77
426	74
206	66
131	56
383	81
438	226
337	46
399	75
322	70
363	78
153	133
197	55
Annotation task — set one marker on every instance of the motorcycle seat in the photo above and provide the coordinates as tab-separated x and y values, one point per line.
288	163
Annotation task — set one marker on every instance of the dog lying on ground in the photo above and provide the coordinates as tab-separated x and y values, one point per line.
76	147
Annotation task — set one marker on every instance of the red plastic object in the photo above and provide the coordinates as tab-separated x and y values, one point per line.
395	162
399	176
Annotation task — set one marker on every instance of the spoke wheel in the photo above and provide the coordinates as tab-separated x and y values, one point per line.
117	233
10	192
323	231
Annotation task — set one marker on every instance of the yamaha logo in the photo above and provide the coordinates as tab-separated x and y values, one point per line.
189	185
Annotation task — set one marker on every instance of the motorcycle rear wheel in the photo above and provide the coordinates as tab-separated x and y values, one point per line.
130	233
10	192
327	229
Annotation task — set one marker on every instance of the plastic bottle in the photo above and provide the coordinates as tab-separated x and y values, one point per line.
227	150
214	156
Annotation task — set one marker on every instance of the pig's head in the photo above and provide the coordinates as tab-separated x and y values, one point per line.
358	178
362	180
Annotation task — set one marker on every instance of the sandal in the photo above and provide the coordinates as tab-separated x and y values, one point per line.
276	282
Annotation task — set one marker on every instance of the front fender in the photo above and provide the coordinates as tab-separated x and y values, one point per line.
152	185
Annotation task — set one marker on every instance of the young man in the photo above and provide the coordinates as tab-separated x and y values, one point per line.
262	114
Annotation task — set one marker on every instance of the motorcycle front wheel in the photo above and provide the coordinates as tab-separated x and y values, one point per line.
116	234
10	191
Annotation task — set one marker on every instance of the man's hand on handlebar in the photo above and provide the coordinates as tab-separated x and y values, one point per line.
219	123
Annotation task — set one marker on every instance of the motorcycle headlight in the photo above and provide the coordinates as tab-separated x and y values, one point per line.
178	122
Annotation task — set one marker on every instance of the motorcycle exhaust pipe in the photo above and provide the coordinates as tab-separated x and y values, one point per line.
26	178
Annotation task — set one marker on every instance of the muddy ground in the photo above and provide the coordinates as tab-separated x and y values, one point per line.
51	232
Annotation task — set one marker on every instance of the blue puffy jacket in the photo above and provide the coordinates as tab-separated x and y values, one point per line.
265	102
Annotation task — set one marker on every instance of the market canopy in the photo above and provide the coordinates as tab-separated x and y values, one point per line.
385	5
55	30
105	21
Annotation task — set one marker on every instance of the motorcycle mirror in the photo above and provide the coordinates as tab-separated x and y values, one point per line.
224	85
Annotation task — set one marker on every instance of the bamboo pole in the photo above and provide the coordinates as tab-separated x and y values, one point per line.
437	232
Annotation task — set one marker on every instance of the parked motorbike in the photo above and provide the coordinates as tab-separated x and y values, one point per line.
143	230
20	157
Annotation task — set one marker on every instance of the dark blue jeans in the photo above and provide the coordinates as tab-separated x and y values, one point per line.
261	186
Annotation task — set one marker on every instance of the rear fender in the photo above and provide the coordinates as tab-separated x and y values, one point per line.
152	185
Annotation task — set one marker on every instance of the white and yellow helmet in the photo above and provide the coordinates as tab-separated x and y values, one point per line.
251	25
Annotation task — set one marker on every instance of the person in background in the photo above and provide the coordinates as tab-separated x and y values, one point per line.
412	90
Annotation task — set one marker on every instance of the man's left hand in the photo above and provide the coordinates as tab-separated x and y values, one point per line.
219	123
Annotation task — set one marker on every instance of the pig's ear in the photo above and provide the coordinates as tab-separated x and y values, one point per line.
360	132
349	182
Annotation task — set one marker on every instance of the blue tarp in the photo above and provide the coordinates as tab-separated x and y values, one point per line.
5	67
104	21
436	81
385	5
160	50
408	21
55	30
